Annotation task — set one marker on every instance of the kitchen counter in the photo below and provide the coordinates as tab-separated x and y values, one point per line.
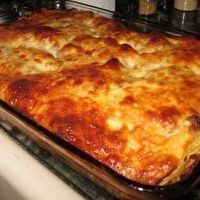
22	177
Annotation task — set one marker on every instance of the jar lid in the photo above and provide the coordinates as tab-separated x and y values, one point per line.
186	5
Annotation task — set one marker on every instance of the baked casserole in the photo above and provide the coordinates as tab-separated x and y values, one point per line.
130	100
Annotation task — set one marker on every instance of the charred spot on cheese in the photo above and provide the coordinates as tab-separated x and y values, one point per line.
166	116
113	64
128	100
195	122
191	84
111	41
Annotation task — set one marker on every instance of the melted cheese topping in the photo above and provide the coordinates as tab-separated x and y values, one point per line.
128	99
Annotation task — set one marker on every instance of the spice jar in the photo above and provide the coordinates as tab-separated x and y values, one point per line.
185	14
198	13
164	9
147	7
123	8
186	5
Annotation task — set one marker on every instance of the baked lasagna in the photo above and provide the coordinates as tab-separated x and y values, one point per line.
130	100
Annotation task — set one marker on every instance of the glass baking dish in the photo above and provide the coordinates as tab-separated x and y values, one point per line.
98	173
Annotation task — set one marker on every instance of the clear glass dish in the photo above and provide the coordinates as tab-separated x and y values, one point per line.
95	171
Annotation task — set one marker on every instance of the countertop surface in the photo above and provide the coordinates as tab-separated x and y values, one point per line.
22	177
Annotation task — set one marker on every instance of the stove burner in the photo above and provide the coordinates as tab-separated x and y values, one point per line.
8	13
55	4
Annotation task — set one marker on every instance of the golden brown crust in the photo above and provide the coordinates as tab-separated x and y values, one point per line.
128	99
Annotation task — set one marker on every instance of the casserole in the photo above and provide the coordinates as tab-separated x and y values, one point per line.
126	99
